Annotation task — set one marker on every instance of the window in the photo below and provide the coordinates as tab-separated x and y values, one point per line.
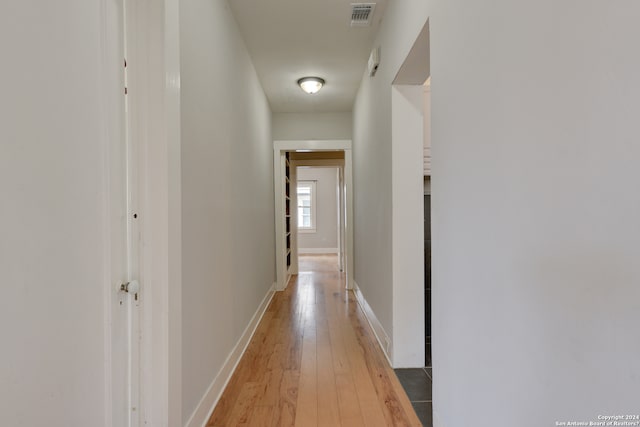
307	206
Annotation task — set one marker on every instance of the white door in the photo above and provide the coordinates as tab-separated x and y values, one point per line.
124	299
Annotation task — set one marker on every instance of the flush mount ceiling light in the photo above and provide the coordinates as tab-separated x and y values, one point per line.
311	85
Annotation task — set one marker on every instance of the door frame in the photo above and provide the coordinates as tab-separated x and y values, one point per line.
117	304
337	164
407	212
134	223
153	116
279	150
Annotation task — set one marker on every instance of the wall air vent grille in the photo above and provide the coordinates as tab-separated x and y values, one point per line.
361	14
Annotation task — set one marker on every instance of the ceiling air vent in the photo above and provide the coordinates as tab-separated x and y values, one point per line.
361	14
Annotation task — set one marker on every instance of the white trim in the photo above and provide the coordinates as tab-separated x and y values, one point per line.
348	226
311	251
133	170
340	217
313	145
407	222
378	330
319	163
307	230
312	184
207	404
154	82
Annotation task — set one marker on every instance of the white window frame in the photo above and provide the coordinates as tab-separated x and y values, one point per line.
312	186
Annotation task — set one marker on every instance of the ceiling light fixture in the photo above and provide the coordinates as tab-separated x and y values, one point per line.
311	85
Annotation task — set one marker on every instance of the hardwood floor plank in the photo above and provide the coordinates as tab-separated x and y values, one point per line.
337	318
285	412
314	361
262	416
367	396
244	404
307	403
390	398
329	412
271	391
350	411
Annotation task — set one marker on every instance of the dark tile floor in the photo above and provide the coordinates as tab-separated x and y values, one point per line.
417	384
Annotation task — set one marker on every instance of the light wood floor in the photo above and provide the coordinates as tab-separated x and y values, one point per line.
314	361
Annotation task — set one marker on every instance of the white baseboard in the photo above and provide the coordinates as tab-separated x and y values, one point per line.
311	251
208	402
381	335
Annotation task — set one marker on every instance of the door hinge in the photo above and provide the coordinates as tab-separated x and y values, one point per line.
126	89
132	287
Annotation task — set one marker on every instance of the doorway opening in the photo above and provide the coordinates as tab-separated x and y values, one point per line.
411	160
427	218
318	217
325	168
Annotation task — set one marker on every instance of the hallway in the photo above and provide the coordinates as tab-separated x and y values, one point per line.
314	361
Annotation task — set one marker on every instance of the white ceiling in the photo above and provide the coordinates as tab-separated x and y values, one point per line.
290	39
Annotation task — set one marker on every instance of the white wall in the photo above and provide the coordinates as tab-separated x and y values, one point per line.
301	126
534	206
373	172
227	187
326	234
408	333
53	216
535	203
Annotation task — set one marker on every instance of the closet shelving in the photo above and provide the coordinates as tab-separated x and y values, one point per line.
288	208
